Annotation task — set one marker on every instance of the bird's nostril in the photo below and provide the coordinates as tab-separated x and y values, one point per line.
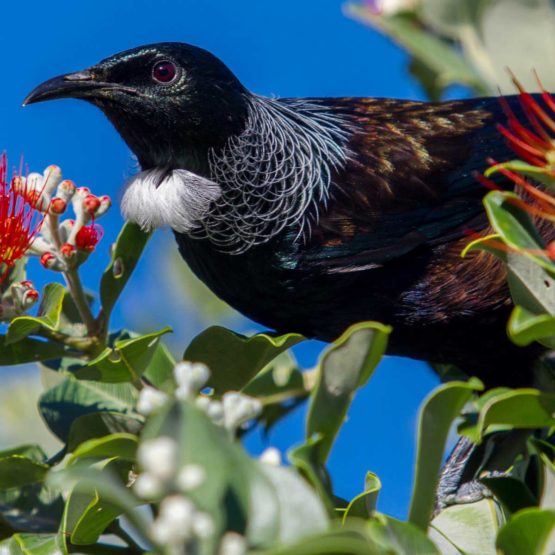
79	76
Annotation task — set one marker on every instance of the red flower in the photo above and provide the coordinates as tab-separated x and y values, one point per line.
88	237
20	221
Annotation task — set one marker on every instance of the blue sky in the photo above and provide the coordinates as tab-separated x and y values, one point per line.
285	48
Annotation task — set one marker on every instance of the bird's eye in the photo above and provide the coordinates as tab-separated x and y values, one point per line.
164	72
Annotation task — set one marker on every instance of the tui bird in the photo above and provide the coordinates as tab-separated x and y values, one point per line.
310	214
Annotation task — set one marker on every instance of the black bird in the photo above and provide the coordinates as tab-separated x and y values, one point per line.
311	214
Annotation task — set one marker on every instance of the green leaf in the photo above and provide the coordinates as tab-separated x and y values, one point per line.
125	362
519	408
87	516
525	327
63	404
108	486
364	505
234	359
519	166
122	445
32	452
401	538
470	528
517	230
34	544
159	372
97	425
441	59
530	531
17	471
345	367
127	250
28	350
437	414
48	315
32	508
512	492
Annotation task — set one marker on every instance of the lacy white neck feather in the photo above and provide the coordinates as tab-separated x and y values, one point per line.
275	174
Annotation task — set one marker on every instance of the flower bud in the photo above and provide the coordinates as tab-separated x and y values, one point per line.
191	378
150	399
190	477
30	298
58	205
271	456
91	203
238	409
52	176
48	260
67	250
66	189
148	486
158	457
551	251
233	544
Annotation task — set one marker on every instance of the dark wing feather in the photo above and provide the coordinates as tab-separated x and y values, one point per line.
409	181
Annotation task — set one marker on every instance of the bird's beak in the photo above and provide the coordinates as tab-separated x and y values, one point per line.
82	84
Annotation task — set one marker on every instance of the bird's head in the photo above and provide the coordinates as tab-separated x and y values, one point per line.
171	102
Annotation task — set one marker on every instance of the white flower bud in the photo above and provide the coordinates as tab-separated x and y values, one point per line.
150	399
271	456
52	176
158	457
174	524
190	477
238	409
233	544
391	7
203	402
215	411
147	486
191	377
203	525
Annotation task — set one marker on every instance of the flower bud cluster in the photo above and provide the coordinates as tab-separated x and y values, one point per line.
233	411
63	244
19	297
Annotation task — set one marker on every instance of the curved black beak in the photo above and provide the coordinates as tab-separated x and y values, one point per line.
82	84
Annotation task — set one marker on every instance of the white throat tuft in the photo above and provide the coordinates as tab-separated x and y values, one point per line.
179	199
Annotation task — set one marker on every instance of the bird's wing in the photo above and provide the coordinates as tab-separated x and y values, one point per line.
409	181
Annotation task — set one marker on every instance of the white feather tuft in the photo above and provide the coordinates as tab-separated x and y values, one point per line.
179	199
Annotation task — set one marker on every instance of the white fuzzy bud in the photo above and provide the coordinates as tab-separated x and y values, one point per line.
150	399
52	176
233	544
190	377
158	457
147	486
238	409
391	7
271	456
203	525
174	524
190	477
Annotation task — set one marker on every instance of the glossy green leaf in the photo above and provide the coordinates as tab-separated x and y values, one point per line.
122	445
63	404
48	315
519	408
437	414
97	425
526	327
18	470
32	452
234	359
125	362
345	367
28	350
125	255
364	505
468	528
159	371
34	544
516	228
400	538
530	532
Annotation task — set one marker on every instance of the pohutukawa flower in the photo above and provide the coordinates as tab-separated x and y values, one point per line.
20	220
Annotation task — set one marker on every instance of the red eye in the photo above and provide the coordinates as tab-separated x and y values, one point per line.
164	72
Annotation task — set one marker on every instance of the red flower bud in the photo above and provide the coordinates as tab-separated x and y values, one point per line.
31	294
58	205
67	250
551	251
91	204
48	260
27	284
88	237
